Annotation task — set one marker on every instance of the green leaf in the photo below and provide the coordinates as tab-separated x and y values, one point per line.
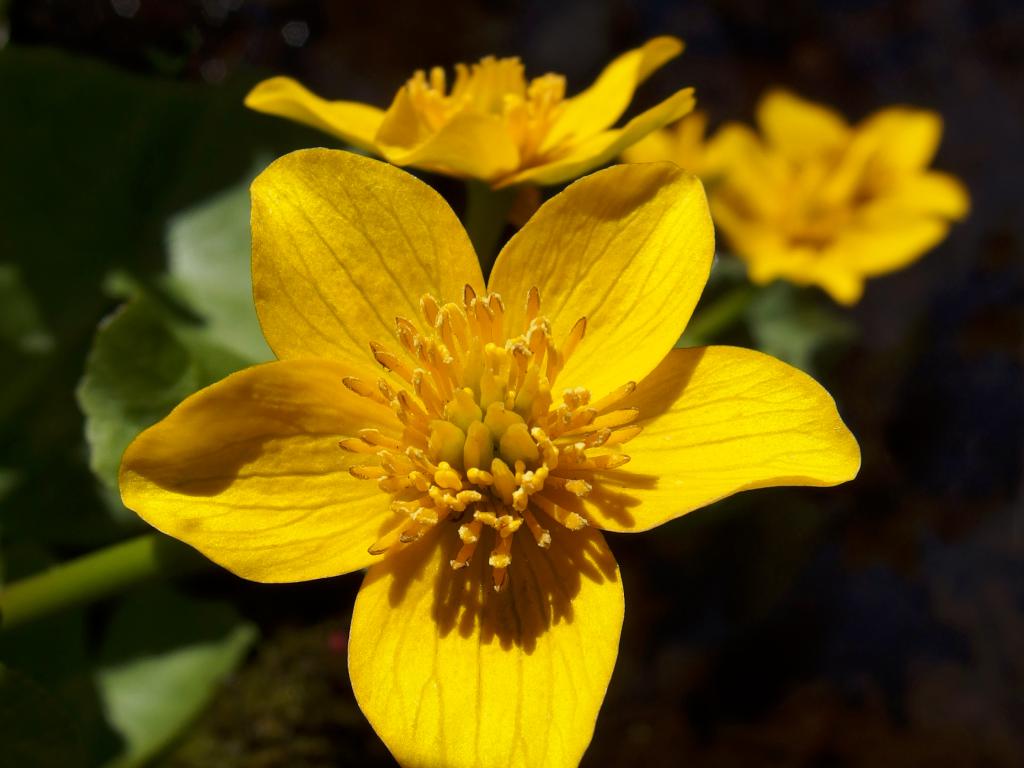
793	325
143	363
209	250
197	326
164	658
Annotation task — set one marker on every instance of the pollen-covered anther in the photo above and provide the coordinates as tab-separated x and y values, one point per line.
482	444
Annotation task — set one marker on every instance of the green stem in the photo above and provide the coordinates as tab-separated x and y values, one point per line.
486	212
719	316
94	576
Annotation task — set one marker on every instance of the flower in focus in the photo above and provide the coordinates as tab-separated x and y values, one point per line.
817	201
490	123
488	436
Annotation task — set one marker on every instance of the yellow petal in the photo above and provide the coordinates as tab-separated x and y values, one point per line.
881	245
930	192
351	121
905	138
718	420
799	128
249	472
606	145
470	144
600	105
341	245
681	143
629	248
451	673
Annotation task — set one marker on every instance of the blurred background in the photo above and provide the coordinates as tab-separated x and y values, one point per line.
878	623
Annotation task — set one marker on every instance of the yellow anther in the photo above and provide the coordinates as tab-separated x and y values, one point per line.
425	515
446	442
368	471
363	389
394	484
540	534
428	306
479	447
486	518
532	304
385	542
469	532
446	477
578	486
479	476
391	362
517	445
375	437
355	445
615	396
624	435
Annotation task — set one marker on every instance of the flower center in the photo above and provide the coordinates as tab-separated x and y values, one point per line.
493	87
485	445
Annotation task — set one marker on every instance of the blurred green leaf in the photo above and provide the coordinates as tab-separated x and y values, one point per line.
164	658
197	326
791	324
143	363
209	250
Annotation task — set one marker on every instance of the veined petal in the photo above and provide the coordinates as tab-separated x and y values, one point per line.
600	105
799	128
451	673
249	472
606	145
718	420
341	245
351	121
905	138
629	248
470	144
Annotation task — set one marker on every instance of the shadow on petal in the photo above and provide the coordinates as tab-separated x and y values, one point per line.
542	583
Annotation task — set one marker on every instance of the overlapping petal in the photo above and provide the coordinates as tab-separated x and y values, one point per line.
470	144
351	121
599	106
451	673
248	471
716	421
341	245
629	248
605	146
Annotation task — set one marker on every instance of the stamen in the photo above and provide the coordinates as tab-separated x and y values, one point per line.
482	440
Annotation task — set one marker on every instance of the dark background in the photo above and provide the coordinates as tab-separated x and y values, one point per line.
879	623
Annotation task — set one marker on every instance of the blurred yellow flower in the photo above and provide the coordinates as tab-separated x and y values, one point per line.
492	124
683	144
488	623
816	201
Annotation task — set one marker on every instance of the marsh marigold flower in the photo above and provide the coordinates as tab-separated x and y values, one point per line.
684	144
816	201
490	123
469	444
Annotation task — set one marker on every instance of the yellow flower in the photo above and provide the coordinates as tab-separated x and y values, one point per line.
816	201
491	123
481	462
683	144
